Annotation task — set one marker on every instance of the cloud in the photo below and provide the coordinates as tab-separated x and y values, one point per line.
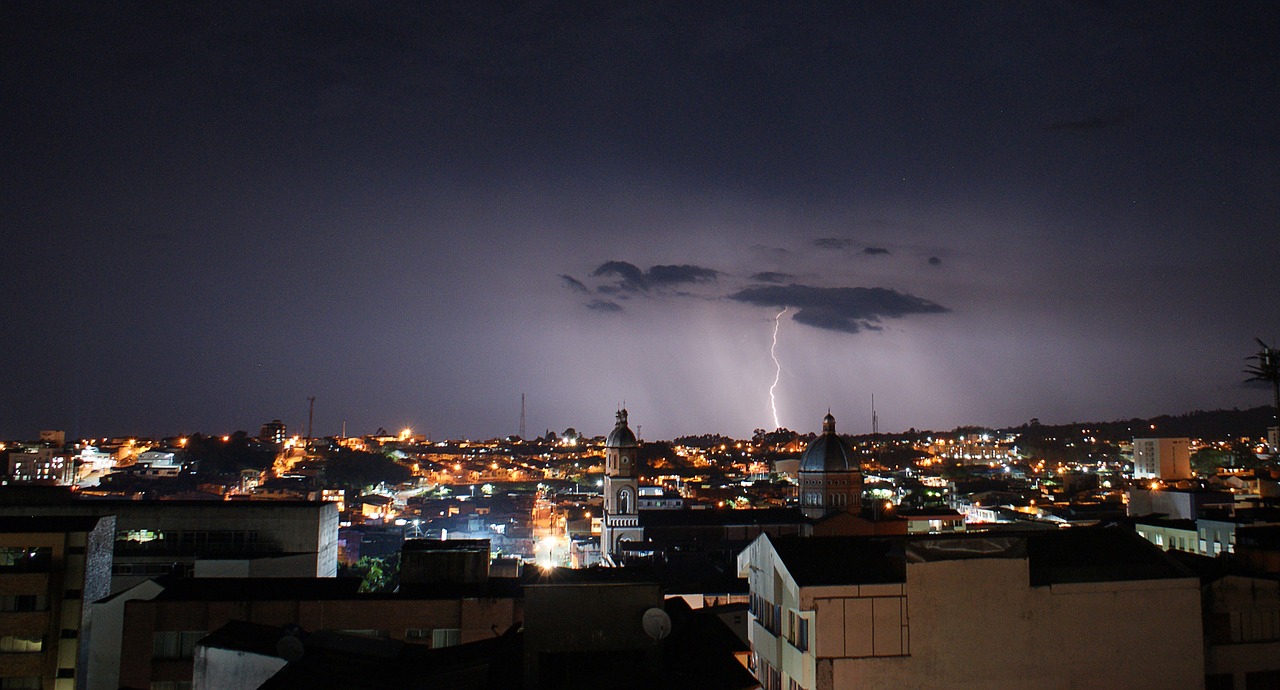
679	275
630	278
832	243
771	277
604	305
573	283
872	251
935	261
847	310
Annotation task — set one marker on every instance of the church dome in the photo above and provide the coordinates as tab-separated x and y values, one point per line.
621	436
829	452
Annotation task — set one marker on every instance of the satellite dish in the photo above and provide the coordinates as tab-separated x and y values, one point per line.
657	624
290	648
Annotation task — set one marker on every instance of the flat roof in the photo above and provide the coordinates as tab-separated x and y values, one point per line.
1079	554
49	523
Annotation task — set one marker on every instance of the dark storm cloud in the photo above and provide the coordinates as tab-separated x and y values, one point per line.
872	251
631	278
604	305
772	277
832	243
573	283
847	310
680	275
935	261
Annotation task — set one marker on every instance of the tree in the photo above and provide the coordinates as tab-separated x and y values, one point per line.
376	573
356	471
1267	370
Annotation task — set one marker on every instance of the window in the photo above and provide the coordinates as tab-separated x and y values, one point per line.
1255	626
174	644
444	637
143	568
19	603
21	644
797	630
369	632
417	634
22	559
24	683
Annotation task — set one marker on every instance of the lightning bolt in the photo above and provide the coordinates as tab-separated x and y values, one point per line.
777	368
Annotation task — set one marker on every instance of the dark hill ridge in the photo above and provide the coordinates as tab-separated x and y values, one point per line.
1209	424
1213	424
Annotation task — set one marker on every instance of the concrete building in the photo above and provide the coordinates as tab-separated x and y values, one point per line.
159	634
1057	609
273	431
1242	632
830	475
1177	504
40	465
931	520
205	538
1162	458
658	498
50	568
621	520
1169	534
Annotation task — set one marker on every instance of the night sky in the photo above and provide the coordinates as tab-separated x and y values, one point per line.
979	213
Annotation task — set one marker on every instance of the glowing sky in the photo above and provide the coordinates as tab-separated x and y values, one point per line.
981	213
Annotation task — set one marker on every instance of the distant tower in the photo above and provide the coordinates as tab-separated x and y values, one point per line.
830	475
522	416
621	511
875	420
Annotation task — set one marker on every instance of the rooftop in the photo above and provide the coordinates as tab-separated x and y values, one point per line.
1054	556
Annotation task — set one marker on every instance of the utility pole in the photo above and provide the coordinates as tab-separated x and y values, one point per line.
522	416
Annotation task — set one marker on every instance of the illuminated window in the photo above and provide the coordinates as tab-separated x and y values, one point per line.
21	644
25	559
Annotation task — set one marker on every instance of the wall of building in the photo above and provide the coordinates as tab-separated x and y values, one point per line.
278	529
391	617
1242	629
232	668
978	624
76	571
1161	458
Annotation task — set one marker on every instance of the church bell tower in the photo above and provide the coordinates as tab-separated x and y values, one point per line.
621	497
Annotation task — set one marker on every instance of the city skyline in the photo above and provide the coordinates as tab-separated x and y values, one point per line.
979	214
